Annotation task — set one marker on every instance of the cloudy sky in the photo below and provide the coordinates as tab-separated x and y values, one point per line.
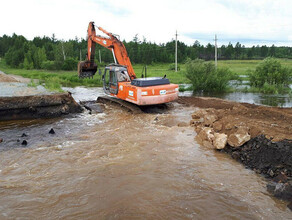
250	22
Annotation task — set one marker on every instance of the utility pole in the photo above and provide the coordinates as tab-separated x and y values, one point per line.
176	51
99	56
80	55
64	55
216	51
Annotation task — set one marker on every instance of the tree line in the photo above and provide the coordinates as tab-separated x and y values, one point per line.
53	54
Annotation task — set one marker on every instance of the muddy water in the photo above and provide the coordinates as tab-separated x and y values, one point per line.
118	166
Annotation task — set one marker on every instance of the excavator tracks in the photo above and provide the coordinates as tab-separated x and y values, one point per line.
126	105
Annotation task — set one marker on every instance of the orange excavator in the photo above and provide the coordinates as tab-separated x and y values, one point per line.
119	78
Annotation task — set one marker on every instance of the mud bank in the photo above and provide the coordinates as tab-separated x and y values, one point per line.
257	136
39	106
271	159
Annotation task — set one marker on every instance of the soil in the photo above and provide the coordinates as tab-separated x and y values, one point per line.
264	156
6	78
273	122
39	106
23	102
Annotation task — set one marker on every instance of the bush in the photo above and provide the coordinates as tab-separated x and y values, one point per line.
205	77
270	77
49	65
269	71
70	64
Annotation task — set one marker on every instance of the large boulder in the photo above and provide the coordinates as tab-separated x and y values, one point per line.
239	137
199	114
217	126
209	119
220	140
206	137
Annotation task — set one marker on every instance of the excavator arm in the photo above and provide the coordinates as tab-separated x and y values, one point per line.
88	68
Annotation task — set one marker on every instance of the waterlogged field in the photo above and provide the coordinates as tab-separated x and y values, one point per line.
70	78
240	67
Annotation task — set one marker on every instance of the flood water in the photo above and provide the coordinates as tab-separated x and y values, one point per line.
115	165
280	100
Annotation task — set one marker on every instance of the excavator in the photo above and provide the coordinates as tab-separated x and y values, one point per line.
119	78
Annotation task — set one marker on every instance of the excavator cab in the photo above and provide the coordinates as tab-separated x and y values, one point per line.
113	74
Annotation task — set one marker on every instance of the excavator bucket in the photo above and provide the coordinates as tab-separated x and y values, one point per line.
86	69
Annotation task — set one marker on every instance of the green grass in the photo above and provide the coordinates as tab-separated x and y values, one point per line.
240	67
162	69
70	78
65	78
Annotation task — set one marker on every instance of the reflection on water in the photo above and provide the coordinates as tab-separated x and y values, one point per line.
257	98
252	98
279	100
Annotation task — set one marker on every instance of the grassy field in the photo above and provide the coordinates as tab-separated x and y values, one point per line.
162	69
70	78
240	67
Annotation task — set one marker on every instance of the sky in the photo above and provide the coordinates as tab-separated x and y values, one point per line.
250	22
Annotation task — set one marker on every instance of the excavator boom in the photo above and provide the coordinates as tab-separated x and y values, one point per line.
112	43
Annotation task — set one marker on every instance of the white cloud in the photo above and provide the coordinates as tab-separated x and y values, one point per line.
266	20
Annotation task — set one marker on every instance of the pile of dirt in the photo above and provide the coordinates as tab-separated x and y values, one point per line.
272	159
264	156
39	106
273	122
6	78
257	136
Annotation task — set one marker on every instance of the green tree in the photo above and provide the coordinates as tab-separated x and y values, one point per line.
39	57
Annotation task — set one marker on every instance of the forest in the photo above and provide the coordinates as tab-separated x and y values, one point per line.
54	54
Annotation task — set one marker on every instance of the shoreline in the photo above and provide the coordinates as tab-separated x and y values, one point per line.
259	137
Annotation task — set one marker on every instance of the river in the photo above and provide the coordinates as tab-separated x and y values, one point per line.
115	165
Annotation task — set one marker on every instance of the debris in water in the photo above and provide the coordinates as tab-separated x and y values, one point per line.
24	135
24	142
52	131
1	140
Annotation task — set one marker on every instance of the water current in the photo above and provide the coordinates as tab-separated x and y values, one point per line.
115	165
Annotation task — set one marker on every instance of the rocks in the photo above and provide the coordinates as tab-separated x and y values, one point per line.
24	142
235	134
52	131
195	122
199	114
206	134
217	126
182	124
210	119
273	159
239	137
220	140
280	190
1	140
